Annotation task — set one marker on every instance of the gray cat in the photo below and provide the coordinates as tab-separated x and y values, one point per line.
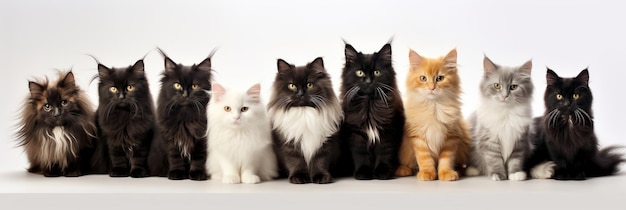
502	125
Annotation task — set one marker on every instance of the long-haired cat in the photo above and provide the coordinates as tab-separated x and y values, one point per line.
306	116
565	137
181	150
436	137
373	112
502	125
57	129
125	119
240	137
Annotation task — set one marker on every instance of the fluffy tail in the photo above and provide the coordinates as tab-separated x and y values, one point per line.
606	162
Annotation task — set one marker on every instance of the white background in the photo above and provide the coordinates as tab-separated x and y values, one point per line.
37	37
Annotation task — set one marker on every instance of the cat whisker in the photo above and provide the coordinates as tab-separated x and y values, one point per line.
383	96
351	93
585	114
386	86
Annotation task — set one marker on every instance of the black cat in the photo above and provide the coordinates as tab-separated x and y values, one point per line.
181	150
125	120
374	114
565	133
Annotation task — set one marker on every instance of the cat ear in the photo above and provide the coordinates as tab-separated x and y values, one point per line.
350	53
205	65
217	91
385	52
451	57
283	65
103	71
318	64
414	58
489	66
551	77
138	67
36	89
68	80
527	67
254	93
583	77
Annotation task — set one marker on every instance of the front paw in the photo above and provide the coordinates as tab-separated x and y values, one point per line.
250	179
299	178
231	179
73	173
139	173
404	171
198	175
363	173
426	175
497	177
448	175
544	170
118	172
518	176
383	172
177	175
52	173
322	179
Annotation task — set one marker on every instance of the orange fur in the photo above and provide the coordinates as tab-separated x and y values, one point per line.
436	137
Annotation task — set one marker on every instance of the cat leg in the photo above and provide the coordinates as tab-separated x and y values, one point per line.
320	165
360	155
119	161
515	166
425	160
249	170
73	169
386	159
492	155
139	160
447	160
52	171
177	170
230	170
197	168
295	164
544	170
407	159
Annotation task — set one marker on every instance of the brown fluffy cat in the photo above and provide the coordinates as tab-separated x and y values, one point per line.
435	133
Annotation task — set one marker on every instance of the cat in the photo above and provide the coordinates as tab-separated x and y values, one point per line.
436	137
306	116
57	129
125	119
566	145
181	150
240	137
502	126
373	112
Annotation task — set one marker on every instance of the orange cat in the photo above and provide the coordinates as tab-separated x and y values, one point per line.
435	133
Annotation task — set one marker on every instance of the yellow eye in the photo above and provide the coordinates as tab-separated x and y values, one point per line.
244	109
423	78
64	103
113	89
512	87
377	73
47	107
130	88
177	86
309	85
559	97
497	86
227	108
360	73
291	86
575	96
439	78
194	86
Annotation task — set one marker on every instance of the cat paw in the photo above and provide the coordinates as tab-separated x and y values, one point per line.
198	175
383	172
52	174
363	173
299	178
177	175
118	172
518	176
448	175
250	179
426	175
139	173
472	171
231	179
497	177
74	173
404	171
544	170
322	179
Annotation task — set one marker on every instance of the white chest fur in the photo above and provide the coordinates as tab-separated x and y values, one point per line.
57	146
505	124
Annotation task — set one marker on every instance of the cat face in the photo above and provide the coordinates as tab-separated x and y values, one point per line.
433	78
303	86
185	85
123	87
568	100
56	104
367	74
234	108
507	85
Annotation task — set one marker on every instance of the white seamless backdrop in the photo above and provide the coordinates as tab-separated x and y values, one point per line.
37	37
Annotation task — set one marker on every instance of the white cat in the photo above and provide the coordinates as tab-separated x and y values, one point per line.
239	136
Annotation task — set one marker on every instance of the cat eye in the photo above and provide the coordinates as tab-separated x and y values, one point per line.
177	86
244	109
439	78
576	96
194	86
497	86
113	89
64	103
309	85
360	73
377	73
423	78
512	87
227	108
559	97
130	88
291	86
47	107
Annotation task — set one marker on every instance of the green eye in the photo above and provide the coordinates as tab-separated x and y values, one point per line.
113	89
309	85
377	73
512	87
291	86
244	109
497	86
423	78
227	108
439	78
360	73
47	107
559	97
576	96
177	86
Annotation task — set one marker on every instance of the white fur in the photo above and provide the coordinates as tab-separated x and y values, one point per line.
505	122
372	134
55	148
240	143
518	176
307	126
544	170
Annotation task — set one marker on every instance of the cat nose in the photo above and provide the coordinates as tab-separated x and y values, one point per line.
57	112
368	80
120	96
300	92
185	93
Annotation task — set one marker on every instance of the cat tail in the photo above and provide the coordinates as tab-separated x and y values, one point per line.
606	162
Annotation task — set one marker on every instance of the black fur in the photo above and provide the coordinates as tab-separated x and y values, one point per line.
565	133
371	99
126	120
181	151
